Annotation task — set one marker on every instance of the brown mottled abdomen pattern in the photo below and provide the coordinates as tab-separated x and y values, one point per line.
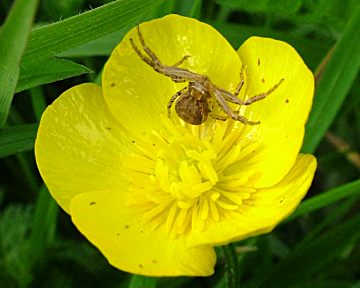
191	110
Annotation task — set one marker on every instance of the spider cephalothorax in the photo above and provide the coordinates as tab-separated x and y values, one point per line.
192	102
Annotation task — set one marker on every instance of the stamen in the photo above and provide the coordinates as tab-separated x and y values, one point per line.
214	211
184	176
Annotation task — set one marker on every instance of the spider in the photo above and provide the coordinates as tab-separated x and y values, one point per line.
193	102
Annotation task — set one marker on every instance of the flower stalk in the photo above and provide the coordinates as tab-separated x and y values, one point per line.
232	266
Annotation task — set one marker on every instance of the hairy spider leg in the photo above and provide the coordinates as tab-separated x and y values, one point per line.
181	61
147	49
178	75
241	83
232	98
174	97
146	59
224	105
213	115
238	87
263	95
218	117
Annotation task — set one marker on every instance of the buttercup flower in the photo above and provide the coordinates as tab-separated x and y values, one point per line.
156	194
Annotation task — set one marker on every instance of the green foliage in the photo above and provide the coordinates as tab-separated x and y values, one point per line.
14	246
337	79
141	281
13	37
39	66
317	246
17	139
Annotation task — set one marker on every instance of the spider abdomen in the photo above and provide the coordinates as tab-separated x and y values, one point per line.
191	110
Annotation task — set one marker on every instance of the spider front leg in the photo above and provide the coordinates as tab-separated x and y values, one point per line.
148	51
181	61
174	97
231	98
150	59
263	95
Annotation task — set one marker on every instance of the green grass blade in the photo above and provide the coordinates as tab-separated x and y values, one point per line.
13	38
232	266
102	46
326	198
337	213
38	102
142	281
43	225
195	11
306	260
17	139
55	38
334	84
47	71
312	51
51	40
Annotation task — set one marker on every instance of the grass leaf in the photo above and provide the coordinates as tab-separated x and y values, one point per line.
43	225
49	41
334	84
47	71
326	198
306	260
17	139
142	281
13	38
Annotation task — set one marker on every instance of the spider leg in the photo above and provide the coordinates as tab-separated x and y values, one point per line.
181	61
146	59
173	98
222	102
241	83
147	49
231	98
213	115
263	95
217	117
178	79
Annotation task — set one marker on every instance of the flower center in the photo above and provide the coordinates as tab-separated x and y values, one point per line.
186	176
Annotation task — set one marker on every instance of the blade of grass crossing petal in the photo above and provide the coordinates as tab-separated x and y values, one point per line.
17	139
13	38
334	84
326	198
142	281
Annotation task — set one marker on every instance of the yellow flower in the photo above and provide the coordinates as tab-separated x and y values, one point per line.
155	194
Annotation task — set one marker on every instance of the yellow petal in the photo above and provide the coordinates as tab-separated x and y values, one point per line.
283	113
78	144
264	209
137	95
128	241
